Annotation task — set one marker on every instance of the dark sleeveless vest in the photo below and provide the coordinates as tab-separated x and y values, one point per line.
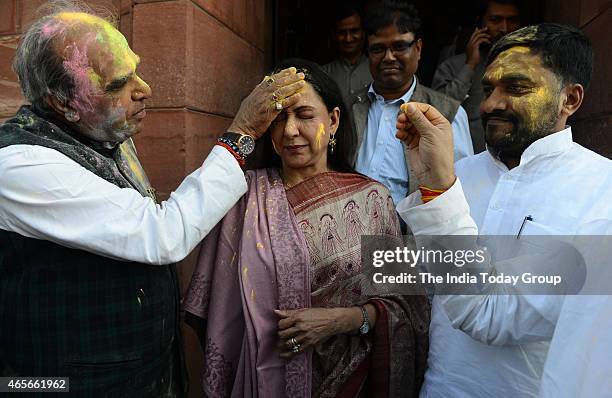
111	326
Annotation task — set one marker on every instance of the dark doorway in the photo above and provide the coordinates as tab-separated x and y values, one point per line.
302	28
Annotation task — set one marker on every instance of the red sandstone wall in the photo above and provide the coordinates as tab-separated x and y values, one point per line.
201	57
592	125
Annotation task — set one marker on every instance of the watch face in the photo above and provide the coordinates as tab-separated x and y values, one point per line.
246	143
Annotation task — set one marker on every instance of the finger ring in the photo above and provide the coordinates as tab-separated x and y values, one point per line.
278	106
295	346
274	96
268	80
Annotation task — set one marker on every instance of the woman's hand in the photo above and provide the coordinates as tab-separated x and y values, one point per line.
309	326
259	109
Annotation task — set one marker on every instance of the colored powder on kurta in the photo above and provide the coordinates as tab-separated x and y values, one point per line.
133	163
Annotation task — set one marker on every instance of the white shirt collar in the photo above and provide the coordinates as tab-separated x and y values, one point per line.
550	145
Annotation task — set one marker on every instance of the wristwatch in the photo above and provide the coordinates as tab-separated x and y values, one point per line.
243	144
365	326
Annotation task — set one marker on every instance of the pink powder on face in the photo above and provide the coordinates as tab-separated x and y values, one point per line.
76	63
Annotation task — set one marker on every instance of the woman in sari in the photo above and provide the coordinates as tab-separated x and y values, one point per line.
276	297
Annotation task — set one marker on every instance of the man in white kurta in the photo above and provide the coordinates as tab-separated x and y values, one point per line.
497	345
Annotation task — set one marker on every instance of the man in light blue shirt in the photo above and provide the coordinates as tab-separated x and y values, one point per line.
394	50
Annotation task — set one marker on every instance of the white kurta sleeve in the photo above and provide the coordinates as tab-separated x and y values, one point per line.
46	195
494	317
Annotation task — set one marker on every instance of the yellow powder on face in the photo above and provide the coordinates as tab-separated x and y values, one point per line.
506	63
245	271
259	245
94	78
72	16
519	60
112	46
534	104
320	134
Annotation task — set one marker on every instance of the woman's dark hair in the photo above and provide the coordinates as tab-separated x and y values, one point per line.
329	92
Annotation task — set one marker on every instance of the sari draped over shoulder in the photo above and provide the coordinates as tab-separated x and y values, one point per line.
300	249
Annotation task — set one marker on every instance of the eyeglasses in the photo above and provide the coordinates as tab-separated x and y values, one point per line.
397	48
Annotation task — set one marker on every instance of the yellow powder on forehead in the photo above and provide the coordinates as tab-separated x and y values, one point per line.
71	16
107	36
506	62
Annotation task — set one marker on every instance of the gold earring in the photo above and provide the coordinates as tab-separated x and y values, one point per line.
332	144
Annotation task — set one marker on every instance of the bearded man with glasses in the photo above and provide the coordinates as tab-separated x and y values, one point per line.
394	49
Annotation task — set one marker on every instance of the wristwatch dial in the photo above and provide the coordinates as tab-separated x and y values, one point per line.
246	143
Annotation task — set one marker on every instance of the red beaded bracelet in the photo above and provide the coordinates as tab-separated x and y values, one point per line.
239	158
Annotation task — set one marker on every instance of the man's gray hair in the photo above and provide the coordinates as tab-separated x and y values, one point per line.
40	68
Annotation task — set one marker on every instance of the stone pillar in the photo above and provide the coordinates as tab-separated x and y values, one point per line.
200	57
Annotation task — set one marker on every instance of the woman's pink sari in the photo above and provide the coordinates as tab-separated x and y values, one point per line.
277	250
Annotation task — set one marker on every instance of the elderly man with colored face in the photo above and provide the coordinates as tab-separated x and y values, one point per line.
88	290
394	50
533	180
459	76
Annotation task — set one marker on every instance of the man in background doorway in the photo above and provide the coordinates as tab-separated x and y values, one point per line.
350	69
459	76
393	31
